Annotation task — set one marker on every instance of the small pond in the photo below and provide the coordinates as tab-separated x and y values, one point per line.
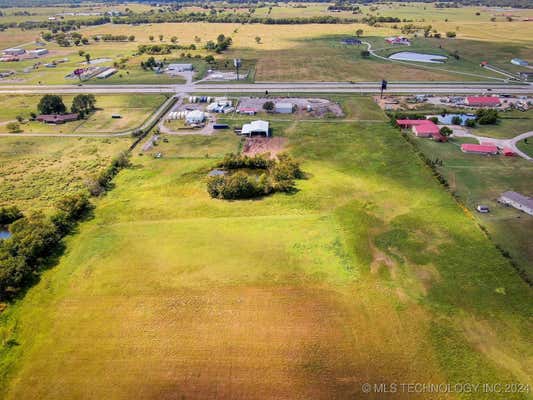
446	119
4	233
418	57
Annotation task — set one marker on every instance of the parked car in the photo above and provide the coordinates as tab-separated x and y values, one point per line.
482	209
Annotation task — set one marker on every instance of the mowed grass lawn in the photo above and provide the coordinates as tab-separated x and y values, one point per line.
36	171
369	273
511	124
133	109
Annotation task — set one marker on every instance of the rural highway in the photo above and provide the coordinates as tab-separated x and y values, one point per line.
280	87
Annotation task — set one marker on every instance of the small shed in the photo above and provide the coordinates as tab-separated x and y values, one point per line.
284	108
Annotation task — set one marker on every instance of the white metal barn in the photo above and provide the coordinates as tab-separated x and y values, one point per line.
195	117
180	67
284	108
518	201
256	128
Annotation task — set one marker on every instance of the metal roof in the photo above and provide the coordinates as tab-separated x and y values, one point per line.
518	198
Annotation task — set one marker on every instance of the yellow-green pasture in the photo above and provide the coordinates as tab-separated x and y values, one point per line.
369	273
134	110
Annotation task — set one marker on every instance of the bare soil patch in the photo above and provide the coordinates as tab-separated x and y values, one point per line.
261	145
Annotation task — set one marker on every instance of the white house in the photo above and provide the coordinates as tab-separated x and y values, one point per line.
518	201
256	128
284	108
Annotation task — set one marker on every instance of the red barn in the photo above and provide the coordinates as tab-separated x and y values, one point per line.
479	148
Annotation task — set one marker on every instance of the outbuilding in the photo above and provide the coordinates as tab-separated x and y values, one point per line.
247	111
195	117
256	128
518	201
14	51
284	108
39	52
57	118
482	101
180	67
479	148
519	62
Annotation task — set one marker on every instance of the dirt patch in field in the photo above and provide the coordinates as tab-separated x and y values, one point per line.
261	145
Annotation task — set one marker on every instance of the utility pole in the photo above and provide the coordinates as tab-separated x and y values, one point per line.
237	64
383	87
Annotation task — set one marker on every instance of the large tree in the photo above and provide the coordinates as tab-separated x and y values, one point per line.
51	104
83	104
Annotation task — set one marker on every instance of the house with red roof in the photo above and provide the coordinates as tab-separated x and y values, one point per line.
479	148
482	101
422	128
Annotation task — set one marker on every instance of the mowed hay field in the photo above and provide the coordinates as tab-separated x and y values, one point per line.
133	109
369	273
36	171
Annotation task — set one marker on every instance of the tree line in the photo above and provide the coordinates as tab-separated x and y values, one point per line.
36	238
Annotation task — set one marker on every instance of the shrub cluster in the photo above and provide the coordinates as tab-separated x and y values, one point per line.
9	215
101	183
487	116
34	238
278	176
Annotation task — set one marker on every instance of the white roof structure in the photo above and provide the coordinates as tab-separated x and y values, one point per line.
518	201
284	108
180	67
256	127
107	73
195	116
14	51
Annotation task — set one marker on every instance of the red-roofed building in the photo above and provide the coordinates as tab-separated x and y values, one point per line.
428	129
482	101
408	123
422	128
247	111
478	148
57	119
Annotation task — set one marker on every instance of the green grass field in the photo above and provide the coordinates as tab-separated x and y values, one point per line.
36	171
480	180
526	147
133	109
370	272
511	124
